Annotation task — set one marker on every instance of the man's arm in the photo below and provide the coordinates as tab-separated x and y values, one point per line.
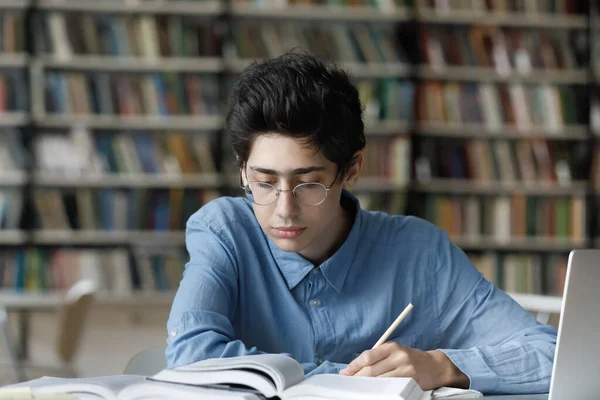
199	325
487	335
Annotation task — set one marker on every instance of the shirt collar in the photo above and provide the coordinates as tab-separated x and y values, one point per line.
294	267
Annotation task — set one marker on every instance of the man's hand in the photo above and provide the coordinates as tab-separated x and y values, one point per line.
430	369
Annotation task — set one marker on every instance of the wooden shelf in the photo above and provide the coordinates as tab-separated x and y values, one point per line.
322	13
142	122
14	119
103	238
12	237
571	132
541	244
13	60
12	179
14	4
377	184
484	74
511	19
387	128
463	186
357	70
132	181
132	64
184	7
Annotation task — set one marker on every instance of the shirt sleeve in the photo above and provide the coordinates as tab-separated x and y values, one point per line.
499	345
199	325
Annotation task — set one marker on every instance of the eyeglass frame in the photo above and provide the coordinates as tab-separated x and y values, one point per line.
327	189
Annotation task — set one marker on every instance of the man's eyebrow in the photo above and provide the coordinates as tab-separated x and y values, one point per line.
297	171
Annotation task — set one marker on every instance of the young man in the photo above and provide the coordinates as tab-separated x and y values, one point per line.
298	268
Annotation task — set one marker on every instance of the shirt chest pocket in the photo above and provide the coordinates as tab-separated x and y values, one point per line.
413	341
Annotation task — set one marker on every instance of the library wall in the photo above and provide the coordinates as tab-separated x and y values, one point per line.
481	116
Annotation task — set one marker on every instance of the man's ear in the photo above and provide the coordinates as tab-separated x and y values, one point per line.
243	177
354	171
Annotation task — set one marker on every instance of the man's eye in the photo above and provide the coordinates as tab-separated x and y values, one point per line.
264	185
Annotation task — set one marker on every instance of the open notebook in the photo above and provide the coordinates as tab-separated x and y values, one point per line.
250	377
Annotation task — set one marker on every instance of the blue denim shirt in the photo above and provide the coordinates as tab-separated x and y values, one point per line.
240	294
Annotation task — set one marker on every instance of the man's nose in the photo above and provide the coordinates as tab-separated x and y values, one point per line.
287	205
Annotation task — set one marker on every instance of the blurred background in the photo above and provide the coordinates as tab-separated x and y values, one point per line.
481	116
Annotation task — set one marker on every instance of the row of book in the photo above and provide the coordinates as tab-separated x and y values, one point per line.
388	159
124	272
131	35
13	90
362	43
12	29
506	218
115	271
11	207
526	107
504	49
393	203
486	160
13	157
383	5
118	209
524	273
500	6
81	153
386	99
493	106
161	93
522	6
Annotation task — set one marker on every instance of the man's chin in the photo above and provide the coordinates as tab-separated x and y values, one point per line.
289	245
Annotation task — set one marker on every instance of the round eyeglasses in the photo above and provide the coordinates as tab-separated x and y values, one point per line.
264	194
308	194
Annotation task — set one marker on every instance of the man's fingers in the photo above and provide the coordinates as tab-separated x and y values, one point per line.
368	357
402	371
384	366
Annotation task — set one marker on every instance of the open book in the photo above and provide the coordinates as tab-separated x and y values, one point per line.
115	387
279	376
253	377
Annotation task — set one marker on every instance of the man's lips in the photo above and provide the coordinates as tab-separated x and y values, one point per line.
288	232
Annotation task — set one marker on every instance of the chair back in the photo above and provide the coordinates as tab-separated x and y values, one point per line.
73	316
147	362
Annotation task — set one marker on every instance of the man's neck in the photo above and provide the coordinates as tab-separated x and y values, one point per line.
342	226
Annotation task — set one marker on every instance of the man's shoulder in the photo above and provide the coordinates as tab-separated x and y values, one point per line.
387	228
224	211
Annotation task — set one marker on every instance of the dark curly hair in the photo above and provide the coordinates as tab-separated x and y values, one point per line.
299	96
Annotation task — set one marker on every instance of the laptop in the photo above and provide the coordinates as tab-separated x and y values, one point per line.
576	369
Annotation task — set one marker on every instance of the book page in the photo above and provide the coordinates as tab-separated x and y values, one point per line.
105	387
226	378
156	390
284	371
332	386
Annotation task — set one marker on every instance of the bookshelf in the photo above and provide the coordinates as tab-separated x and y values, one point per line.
431	80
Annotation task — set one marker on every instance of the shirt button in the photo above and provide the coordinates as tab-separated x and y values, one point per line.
173	333
315	271
320	361
315	302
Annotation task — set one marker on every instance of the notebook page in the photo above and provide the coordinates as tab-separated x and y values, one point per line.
333	386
